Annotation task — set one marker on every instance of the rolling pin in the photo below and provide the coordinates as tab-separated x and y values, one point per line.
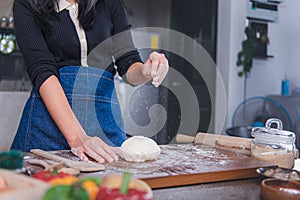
230	143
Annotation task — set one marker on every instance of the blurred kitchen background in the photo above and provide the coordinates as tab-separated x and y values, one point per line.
272	88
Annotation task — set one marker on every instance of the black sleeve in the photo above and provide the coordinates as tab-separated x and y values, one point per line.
39	60
124	50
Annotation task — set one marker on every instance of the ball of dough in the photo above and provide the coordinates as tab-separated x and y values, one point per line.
139	149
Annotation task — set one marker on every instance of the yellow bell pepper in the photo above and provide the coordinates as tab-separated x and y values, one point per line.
69	180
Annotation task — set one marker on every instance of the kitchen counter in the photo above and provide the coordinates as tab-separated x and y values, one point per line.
248	188
231	190
226	190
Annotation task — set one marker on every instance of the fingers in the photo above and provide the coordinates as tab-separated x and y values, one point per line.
98	155
159	68
96	149
115	149
80	154
147	69
162	76
155	61
104	150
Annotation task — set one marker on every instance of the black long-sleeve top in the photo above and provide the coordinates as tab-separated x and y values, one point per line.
45	53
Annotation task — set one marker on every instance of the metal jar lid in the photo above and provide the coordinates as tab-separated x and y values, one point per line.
273	134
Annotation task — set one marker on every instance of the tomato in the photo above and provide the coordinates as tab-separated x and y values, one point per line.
113	194
49	175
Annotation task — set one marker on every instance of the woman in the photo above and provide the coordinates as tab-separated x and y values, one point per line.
55	38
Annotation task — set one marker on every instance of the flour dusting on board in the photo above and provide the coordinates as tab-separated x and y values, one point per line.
175	159
182	164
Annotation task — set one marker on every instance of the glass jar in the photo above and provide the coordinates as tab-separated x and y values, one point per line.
273	145
3	21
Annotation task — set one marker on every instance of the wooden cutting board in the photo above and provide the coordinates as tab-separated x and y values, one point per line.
185	164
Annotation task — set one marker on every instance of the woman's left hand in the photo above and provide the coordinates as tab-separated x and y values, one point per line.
156	67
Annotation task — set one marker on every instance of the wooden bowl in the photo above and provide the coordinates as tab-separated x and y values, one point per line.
115	180
280	189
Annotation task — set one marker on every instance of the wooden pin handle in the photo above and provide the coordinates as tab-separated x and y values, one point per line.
235	144
181	138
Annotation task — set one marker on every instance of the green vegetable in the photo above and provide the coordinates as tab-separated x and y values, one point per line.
66	192
94	179
59	192
12	159
125	183
78	193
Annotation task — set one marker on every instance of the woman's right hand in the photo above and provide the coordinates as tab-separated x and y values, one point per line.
81	144
94	148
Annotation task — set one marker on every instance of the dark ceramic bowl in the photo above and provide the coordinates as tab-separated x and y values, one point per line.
272	189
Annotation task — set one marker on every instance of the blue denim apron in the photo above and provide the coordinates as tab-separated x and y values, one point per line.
92	96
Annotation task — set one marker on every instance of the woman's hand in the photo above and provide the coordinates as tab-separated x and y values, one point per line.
61	112
95	148
156	67
84	146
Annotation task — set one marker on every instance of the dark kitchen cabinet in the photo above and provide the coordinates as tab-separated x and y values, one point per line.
198	20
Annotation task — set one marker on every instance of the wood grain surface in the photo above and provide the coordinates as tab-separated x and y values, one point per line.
185	164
